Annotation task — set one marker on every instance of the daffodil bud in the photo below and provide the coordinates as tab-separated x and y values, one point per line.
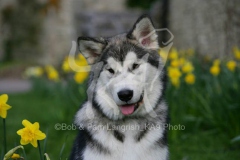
17	156
11	152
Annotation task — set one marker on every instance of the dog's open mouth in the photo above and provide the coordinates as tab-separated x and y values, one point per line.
131	108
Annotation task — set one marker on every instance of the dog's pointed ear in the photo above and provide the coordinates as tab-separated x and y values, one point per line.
144	33
91	48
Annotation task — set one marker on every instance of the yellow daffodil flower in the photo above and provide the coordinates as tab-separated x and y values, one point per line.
236	52
231	65
4	106
187	67
215	70
173	54
34	72
52	73
80	77
81	60
31	133
163	54
175	63
175	82
65	66
181	61
190	78
174	74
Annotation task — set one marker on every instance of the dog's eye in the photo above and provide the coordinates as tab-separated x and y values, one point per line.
111	70
135	66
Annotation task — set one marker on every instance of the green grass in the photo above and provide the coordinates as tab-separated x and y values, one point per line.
200	146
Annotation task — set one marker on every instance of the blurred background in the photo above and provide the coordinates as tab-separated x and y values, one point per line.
203	68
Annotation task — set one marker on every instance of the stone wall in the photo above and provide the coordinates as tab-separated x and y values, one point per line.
209	27
100	5
20	28
58	33
3	4
104	23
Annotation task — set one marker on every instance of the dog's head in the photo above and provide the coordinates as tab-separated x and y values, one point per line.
127	76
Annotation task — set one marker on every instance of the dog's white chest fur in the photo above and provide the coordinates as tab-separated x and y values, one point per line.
129	149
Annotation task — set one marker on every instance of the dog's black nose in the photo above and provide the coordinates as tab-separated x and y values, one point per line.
125	95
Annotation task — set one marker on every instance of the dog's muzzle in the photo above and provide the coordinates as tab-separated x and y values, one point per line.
128	109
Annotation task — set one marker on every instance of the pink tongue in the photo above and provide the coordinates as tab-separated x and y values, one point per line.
127	109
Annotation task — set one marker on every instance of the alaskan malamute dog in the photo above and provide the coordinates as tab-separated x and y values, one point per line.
125	115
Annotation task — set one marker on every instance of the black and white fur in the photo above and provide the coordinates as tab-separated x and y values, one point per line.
128	61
